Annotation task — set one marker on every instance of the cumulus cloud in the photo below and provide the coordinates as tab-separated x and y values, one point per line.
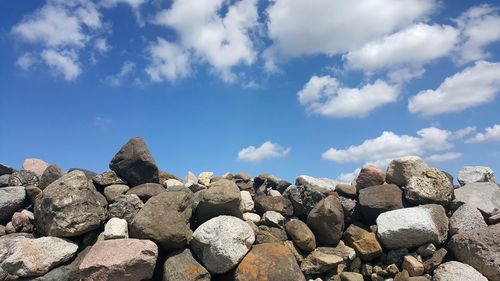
169	61
472	86
444	157
62	62
266	151
325	96
349	176
125	70
491	134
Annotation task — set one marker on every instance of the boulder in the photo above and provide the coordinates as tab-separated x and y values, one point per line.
375	200
253	217
370	175
270	261
304	198
146	190
399	171
57	214
221	243
346	190
125	207
222	198
267	234
457	271
353	233
466	218
107	178
479	248
318	262
4	180
352	212
267	180
134	163
51	174
473	174
120	260
272	218
204	178
411	227
278	204
326	220
25	257
247	204
484	196
165	220
23	178
115	190
182	266
301	235
368	247
34	165
11	200
88	174
5	170
308	181
115	228
432	186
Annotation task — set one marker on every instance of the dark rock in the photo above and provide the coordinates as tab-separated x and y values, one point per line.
222	198
370	175
146	190
301	235
435	260
51	174
107	178
23	178
304	198
268	180
273	203
326	220
11	200
182	266
351	209
378	199
125	207
282	186
32	192
346	190
266	234
5	170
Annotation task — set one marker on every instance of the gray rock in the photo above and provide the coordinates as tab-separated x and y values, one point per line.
146	190
433	186
304	198
107	178
473	174
5	170
484	196
301	235
4	180
351	209
411	227
222	198
267	180
115	228
266	234
326	220
51	174
182	266
247	204
57	214
309	181
125	207
88	174
222	242
23	178
115	190
466	218
11	200
134	163
457	271
272	218
278	204
401	170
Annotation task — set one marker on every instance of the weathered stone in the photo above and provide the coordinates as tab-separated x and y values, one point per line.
222	242
11	200
282	186
134	163
413	266
34	165
164	176
146	190
116	228
301	235
378	199
205	178
273	203
268	180
273	219
411	227
352	234
401	170
345	252
165	220
125	207
346	190
5	170
319	262
247	204
57	214
473	174
88	174
479	248
432	186
222	198
253	217
370	175
4	180
106	179
23	178
115	190
326	220
299	257
266	234
466	218
434	261
304	198
308	181
32	192
396	256
457	271
271	261
23	221
181	266
426	250
494	218
120	260
484	196
368	247
351	210
51	174
351	276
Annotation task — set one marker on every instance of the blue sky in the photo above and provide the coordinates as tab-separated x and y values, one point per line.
288	87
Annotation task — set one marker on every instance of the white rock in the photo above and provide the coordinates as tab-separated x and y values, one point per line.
466	218
253	217
411	227
484	196
275	193
172	182
205	178
116	228
457	271
247	203
11	200
317	182
472	174
221	243
272	218
399	171
190	179
27	257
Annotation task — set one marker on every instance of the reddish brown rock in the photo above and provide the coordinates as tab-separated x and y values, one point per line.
370	175
368	247
413	266
301	235
34	165
326	220
353	233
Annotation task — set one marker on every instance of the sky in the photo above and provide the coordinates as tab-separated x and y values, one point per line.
288	87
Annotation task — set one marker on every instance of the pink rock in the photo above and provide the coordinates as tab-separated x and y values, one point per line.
120	260
370	175
34	165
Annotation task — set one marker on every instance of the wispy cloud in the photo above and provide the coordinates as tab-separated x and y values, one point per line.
491	134
117	79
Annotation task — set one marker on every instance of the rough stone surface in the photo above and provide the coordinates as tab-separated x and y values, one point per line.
165	220
23	178
466	218
401	170
346	190
23	221
272	218
11	200
434	261
222	198
368	247
433	186
222	242
378	199
182	266
25	257
120	260
247	204
4	180
473	174
32	192
411	227
51	174
57	214
107	178
271	261
301	235
114	190
309	181
134	163
483	196
326	220
272	203
35	165
253	217
146	190
457	271
479	248
413	266
318	262
125	207
266	234
205	178
116	228
304	198
353	233
267	180
370	175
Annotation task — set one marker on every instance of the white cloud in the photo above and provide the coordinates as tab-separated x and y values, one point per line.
169	61
26	61
490	134
324	95
63	62
479	28
101	45
460	134
405	74
471	87
304	27
135	4
348	177
390	146
266	151
221	41
116	80
444	157
417	44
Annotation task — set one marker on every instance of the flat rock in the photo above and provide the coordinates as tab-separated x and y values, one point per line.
120	260
146	190
473	174
222	242
432	186
346	190
484	196
326	220
222	198
182	266
11	200
278	204
368	247
107	178
125	207
35	165
57	214
309	181
466	218
351	276
115	190
301	235
378	199
134	163
318	262
457	271
370	175
411	227
399	171
271	261
51	174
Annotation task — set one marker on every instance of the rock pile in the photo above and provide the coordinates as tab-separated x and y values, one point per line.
136	222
